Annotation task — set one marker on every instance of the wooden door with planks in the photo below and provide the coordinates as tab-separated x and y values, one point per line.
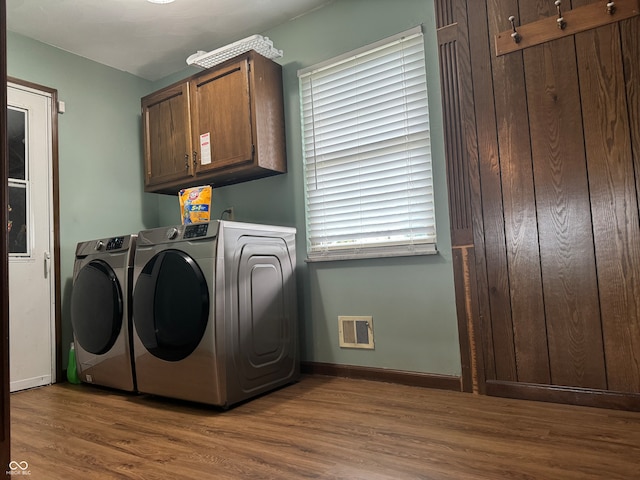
543	156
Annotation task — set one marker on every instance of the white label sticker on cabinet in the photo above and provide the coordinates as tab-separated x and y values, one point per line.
205	149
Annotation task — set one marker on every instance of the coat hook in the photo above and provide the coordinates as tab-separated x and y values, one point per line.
515	35
561	23
611	8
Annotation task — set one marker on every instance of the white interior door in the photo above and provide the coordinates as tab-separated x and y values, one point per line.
31	284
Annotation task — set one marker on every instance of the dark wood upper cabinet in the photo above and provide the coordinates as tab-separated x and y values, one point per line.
167	137
222	126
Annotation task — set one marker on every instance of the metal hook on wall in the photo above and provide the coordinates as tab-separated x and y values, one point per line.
515	35
611	8
561	23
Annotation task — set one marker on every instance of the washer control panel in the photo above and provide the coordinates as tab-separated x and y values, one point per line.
115	243
172	233
196	230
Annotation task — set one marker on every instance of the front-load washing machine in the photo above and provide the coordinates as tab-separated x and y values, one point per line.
101	311
214	311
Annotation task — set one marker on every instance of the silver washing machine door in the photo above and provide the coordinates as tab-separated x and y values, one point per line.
171	305
96	307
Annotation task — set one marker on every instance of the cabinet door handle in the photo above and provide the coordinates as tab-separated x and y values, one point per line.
186	161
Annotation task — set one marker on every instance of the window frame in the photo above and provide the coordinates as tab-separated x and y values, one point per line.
407	247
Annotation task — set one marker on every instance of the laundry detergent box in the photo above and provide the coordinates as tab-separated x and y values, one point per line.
195	204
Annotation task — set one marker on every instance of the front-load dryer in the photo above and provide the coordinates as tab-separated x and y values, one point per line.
214	311
101	311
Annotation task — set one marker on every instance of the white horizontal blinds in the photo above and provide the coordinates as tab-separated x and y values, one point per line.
367	151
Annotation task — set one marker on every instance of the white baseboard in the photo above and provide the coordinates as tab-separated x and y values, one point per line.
30	383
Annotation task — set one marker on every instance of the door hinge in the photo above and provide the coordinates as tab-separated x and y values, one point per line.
253	152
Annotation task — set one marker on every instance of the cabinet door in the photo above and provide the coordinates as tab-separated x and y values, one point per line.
167	136
221	108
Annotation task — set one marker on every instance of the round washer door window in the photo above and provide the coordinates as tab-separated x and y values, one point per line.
171	305
96	307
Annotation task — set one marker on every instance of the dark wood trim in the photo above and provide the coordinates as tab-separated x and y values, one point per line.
454	73
467	308
444	12
461	157
55	198
586	397
55	172
5	431
413	379
467	346
35	86
448	33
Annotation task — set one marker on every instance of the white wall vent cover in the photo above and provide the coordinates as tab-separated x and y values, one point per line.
356	332
260	44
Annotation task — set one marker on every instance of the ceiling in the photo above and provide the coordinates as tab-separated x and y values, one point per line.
148	40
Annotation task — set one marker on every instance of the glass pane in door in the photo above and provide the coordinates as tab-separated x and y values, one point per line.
16	132
18	219
18	223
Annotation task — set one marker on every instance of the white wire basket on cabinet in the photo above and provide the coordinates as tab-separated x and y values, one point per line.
260	44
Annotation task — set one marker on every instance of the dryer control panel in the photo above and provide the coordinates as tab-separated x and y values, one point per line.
196	230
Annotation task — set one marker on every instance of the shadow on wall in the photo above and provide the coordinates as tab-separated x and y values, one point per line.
316	333
148	201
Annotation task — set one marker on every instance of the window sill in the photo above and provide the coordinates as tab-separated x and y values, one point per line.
372	253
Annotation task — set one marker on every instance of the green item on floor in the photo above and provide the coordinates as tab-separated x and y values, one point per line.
72	371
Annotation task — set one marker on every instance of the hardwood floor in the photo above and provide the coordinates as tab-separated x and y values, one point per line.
321	427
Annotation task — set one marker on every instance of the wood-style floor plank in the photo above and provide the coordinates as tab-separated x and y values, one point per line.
321	427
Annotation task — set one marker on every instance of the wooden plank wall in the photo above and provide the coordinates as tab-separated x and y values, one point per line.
526	325
614	199
543	152
628	330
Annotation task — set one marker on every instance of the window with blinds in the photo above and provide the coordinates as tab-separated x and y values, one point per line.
369	184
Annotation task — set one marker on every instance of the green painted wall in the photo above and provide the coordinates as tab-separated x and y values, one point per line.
99	149
411	299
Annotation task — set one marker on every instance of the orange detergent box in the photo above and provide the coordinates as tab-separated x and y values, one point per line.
195	204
